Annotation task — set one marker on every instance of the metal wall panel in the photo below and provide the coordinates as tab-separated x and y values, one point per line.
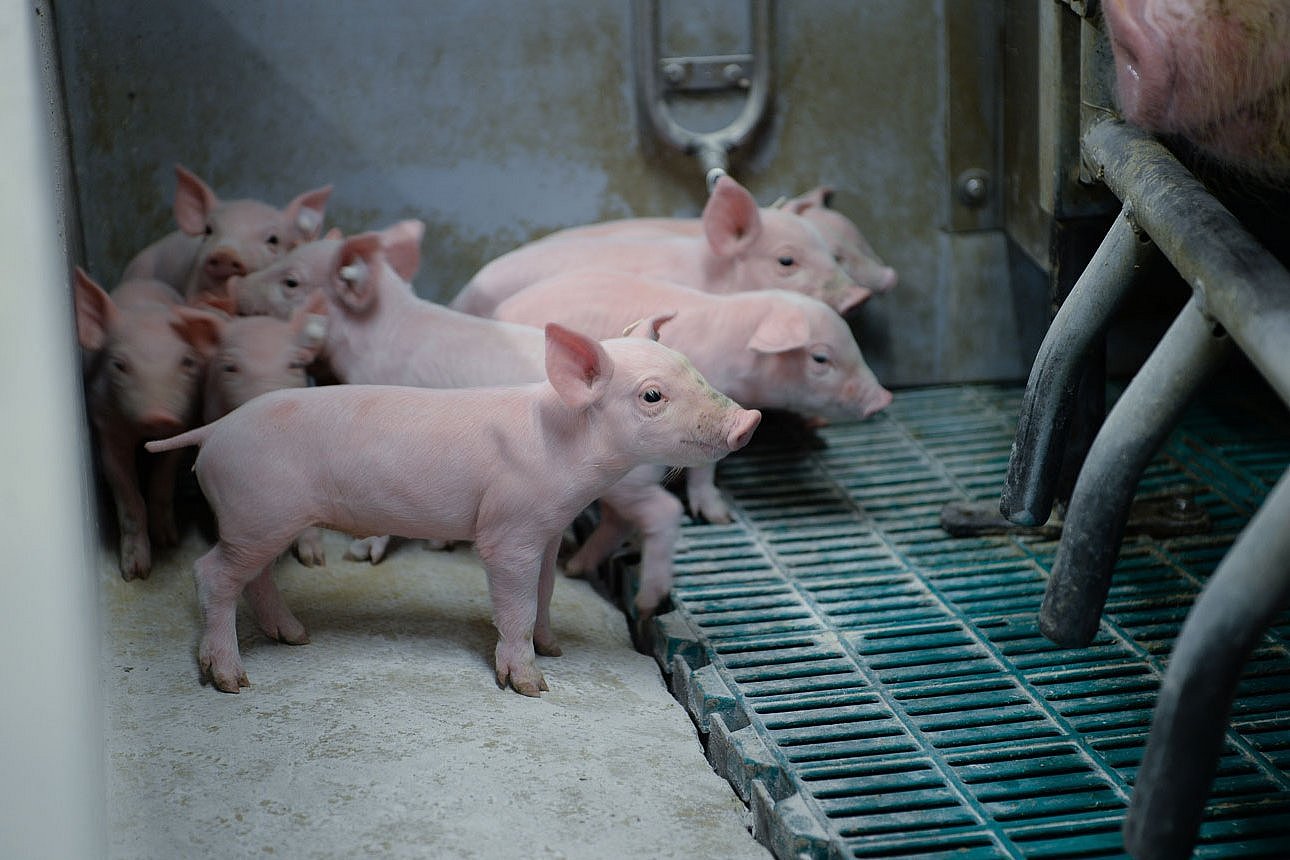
499	122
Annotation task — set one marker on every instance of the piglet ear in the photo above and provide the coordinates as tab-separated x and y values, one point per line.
820	197
95	312
306	212
194	201
200	328
781	330
358	266
649	326
578	367
731	220
402	243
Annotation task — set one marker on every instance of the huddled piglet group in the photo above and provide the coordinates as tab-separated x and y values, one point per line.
581	366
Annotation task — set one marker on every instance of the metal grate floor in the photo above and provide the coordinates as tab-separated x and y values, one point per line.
876	688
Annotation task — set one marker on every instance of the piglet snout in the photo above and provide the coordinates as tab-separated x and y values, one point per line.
159	423
741	428
877	401
224	263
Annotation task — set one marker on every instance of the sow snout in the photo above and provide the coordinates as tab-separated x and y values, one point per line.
742	425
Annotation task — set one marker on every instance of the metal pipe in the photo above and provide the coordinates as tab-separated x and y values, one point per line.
1239	283
1036	458
711	148
1099	507
1250	587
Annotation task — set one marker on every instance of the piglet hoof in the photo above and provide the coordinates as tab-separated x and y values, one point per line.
136	557
308	548
371	549
524	678
289	634
230	679
440	545
711	507
547	647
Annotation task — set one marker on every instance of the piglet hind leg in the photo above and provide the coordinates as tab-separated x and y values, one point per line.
221	578
308	548
513	584
608	536
271	611
544	641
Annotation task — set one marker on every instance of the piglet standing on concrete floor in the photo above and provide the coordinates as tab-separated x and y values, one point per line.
506	467
146	355
259	354
219	238
742	248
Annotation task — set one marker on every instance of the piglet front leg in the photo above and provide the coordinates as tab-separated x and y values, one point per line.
118	462
161	498
513	584
705	498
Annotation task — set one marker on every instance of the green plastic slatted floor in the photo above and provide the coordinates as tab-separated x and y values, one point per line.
875	688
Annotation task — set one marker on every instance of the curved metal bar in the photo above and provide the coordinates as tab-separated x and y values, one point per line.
1099	507
1251	585
712	147
1036	458
1239	282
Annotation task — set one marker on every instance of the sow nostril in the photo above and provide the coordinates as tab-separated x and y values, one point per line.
745	423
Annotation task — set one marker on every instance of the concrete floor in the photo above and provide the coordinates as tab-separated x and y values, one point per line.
387	736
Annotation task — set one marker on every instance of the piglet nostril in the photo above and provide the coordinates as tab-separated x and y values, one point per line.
741	432
223	264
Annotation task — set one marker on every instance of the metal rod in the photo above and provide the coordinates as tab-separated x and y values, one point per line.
1036	459
1251	585
711	148
1099	507
1239	282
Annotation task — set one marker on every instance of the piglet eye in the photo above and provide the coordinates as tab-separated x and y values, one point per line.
210	231
786	261
652	395
272	240
819	358
188	362
291	283
119	366
229	367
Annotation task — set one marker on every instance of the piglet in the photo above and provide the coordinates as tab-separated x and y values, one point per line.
769	349
219	238
506	467
146	352
259	354
850	248
741	248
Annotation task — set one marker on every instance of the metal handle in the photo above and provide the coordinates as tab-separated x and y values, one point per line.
711	148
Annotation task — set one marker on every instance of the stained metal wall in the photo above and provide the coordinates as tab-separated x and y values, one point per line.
499	122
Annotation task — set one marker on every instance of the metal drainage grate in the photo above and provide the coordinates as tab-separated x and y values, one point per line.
876	688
